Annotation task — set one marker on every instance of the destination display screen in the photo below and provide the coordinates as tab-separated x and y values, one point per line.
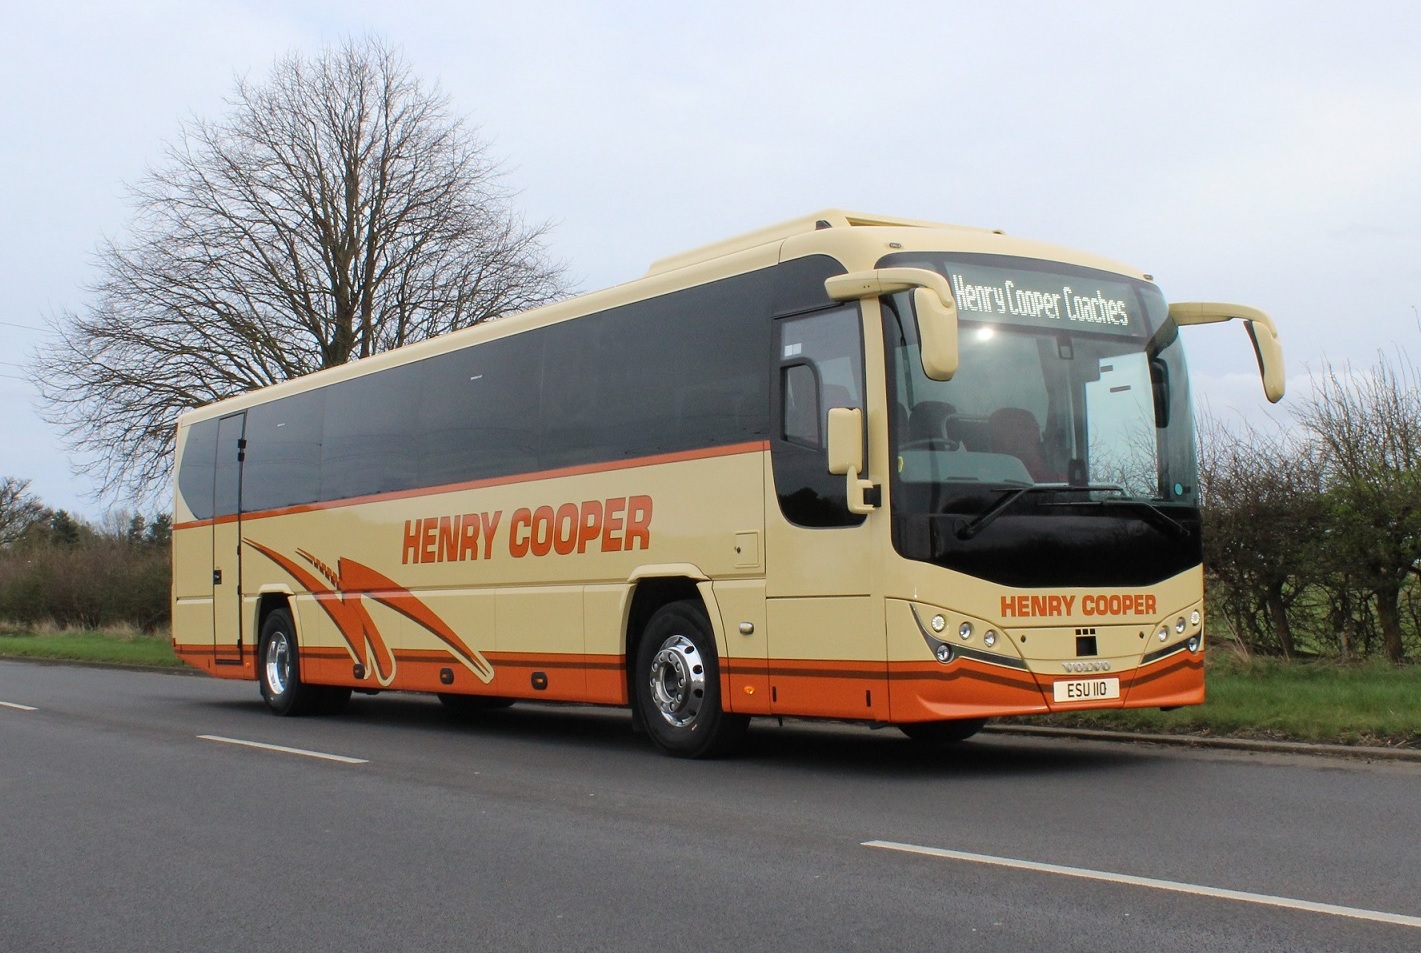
1040	299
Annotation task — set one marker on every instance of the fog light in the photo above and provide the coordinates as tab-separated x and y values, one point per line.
1179	625
1194	643
1162	634
944	653
1194	617
990	639
965	631
938	623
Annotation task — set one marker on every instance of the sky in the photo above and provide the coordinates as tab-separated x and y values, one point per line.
1261	153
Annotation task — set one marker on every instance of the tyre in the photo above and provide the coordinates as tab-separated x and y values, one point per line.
279	670
943	732
464	706
677	685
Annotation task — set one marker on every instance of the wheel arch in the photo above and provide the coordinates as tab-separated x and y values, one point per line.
269	599
649	589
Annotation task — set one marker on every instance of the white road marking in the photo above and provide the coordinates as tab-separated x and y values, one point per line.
18	707
1171	885
285	750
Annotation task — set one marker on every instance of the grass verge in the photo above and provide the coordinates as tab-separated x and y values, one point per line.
111	647
1327	702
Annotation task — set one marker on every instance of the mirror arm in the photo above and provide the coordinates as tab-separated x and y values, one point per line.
1261	331
933	303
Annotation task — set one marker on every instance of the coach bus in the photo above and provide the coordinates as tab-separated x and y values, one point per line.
850	467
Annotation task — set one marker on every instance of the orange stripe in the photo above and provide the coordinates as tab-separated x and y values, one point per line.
912	691
545	660
806	668
706	453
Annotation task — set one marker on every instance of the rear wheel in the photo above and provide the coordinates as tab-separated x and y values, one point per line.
678	685
279	669
943	732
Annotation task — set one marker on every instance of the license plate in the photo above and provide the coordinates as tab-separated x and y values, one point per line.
1087	689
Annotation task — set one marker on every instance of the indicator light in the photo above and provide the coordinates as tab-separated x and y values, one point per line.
938	623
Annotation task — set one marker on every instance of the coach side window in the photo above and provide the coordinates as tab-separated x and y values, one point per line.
821	366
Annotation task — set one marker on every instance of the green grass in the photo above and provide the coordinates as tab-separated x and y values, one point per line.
116	647
1370	704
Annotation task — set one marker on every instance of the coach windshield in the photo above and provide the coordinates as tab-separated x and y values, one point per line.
1062	450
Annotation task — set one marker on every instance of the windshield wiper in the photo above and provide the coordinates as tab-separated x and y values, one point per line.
1011	493
1153	515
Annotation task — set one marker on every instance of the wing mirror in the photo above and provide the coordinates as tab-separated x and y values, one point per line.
1261	330
846	457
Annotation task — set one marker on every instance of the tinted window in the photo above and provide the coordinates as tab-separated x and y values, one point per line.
679	372
799	284
227	487
478	412
369	444
197	467
821	366
283	465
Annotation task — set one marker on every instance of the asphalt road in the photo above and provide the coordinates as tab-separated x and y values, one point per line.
125	825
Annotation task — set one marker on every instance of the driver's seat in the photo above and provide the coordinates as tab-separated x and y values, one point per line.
1014	430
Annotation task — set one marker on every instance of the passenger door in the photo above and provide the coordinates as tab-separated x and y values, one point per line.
827	652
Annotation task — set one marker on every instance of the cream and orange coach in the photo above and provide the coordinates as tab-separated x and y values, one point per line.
848	466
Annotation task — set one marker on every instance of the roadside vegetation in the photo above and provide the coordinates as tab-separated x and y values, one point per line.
1320	701
1312	536
112	646
59	572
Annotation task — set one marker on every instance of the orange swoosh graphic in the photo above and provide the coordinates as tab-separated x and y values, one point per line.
341	601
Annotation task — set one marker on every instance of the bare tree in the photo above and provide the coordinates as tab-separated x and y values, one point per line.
19	510
335	211
1368	427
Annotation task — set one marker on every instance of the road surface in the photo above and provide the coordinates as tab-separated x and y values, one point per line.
139	811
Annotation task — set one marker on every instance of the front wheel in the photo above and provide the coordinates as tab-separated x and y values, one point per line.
279	671
678	685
